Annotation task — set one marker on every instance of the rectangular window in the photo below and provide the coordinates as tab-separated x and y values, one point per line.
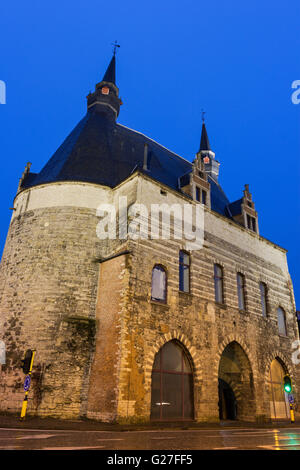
241	291
159	284
198	194
251	223
218	279
203	197
263	298
184	271
281	322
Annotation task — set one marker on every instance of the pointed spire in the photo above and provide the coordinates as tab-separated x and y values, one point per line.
204	144
105	98
207	156
110	74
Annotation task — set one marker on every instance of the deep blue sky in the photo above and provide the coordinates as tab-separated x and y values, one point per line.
236	59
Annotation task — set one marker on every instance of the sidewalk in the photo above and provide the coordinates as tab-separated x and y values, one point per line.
33	422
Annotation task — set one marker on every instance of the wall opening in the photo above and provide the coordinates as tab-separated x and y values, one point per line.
172	385
236	390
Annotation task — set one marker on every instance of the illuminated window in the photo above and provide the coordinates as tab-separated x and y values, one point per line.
172	384
159	284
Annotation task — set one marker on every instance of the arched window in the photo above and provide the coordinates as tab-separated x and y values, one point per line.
218	278
279	406
159	284
172	384
184	271
263	298
241	291
281	322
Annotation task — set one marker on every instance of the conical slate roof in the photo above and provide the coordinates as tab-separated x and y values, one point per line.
110	74
104	152
204	143
99	150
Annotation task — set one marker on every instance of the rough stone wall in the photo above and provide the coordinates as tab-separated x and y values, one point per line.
202	325
48	290
51	300
103	398
49	275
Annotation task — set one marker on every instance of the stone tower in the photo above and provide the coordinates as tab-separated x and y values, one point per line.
49	268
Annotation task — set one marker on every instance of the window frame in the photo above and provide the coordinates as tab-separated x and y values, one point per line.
241	291
220	281
182	266
280	309
263	299
156	299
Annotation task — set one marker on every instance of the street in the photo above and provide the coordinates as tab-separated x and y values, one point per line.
201	439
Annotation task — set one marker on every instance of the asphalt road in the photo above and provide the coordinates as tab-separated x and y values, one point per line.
200	439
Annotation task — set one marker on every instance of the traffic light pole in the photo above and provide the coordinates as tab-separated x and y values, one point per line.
292	413
25	401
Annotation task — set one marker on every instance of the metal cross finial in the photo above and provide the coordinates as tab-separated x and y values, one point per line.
202	113
115	44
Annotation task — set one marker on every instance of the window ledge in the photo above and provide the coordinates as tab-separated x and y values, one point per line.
283	336
243	312
160	303
185	293
221	305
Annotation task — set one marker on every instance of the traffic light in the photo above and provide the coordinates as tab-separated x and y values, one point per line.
26	362
287	384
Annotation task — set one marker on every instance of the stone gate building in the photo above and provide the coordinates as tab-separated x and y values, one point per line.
138	327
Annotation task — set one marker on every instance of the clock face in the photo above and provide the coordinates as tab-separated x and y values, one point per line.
206	159
105	90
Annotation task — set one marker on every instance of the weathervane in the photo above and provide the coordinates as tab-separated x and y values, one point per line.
115	44
202	113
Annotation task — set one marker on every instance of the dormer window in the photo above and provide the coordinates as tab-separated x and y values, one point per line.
201	195
243	211
251	223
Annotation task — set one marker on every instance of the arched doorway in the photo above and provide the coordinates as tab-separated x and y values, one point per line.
279	405
172	384
227	401
236	390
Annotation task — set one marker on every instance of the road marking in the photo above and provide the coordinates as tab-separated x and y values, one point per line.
223	448
73	448
251	433
38	436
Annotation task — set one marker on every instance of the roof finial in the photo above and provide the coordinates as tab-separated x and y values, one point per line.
115	44
202	114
